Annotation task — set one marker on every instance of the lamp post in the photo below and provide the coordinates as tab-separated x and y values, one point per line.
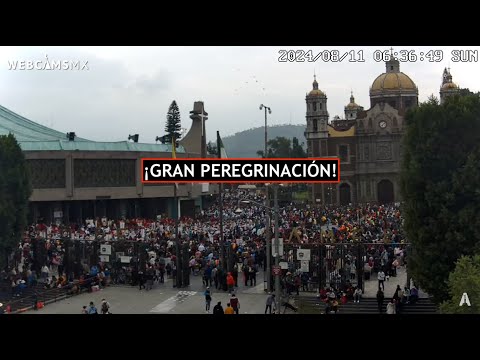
266	141
277	249
267	203
276	212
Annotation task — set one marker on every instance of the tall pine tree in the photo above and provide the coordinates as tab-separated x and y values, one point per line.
173	125
15	190
439	180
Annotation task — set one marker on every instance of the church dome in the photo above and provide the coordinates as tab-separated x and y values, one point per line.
316	91
352	105
393	81
449	86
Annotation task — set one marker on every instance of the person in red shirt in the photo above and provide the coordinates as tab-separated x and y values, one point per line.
235	303
230	282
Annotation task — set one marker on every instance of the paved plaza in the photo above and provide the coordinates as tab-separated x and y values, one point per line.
163	299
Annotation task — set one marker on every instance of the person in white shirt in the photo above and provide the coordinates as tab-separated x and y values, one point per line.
391	307
105	308
357	295
381	280
45	272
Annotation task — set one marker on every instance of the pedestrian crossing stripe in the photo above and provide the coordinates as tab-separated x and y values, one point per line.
167	305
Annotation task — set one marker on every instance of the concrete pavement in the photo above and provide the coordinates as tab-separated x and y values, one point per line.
371	286
163	299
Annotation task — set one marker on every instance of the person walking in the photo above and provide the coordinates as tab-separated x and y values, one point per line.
252	275
161	268
381	280
235	275
235	303
230	282
214	276
245	274
208	299
270	301
380	298
218	309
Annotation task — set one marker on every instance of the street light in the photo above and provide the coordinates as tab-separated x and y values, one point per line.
267	202
266	141
276	211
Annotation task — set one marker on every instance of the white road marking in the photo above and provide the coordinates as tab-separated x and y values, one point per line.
167	305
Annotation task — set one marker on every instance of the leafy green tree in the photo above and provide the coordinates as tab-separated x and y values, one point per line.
173	125
465	92
15	190
464	279
439	183
281	147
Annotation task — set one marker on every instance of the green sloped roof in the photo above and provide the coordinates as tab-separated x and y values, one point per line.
27	130
35	137
59	145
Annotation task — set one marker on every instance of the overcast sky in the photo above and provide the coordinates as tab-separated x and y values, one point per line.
128	90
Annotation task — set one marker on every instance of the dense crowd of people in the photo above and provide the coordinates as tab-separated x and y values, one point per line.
244	233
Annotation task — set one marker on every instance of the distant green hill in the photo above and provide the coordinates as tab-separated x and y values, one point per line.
246	143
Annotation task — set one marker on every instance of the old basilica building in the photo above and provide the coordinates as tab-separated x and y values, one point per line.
368	142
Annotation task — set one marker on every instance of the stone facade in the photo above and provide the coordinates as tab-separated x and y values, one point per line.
368	142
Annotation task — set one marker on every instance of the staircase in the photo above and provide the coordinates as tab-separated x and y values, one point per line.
369	306
26	299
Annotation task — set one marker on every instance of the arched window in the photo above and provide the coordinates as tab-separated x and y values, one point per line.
370	123
314	106
315	125
395	123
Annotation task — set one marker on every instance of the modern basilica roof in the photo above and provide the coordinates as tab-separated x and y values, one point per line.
35	137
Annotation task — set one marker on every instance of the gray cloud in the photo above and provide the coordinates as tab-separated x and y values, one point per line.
128	90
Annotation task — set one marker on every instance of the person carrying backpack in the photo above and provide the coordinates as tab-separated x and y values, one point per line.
105	307
235	303
92	309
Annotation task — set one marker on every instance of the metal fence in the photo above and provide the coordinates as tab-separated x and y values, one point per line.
340	265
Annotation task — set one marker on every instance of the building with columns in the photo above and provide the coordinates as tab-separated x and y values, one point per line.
74	178
368	142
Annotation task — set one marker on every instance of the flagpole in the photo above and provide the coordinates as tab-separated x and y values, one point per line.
222	241
178	280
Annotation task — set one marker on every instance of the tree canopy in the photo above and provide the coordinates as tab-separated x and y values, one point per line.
439	182
281	147
15	190
465	279
173	125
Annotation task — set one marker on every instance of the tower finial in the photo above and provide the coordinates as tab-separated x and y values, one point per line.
315	83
